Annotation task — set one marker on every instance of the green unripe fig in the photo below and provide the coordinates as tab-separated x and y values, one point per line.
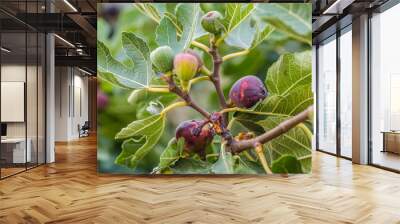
162	58
212	22
185	67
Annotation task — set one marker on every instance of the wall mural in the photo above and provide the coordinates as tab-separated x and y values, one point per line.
204	88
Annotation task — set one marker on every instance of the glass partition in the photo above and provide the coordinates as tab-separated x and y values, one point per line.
22	99
346	93
327	95
385	89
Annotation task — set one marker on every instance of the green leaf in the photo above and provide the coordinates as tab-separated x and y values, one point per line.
188	17
235	14
243	35
248	35
289	72
139	52
142	136
224	164
171	154
289	84
295	142
191	166
261	35
286	164
166	34
178	31
291	18
113	71
244	166
138	76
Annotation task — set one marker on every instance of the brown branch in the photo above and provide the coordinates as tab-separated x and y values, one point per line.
285	126
216	79
184	95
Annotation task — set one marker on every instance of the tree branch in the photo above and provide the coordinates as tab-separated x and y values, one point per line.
184	95
216	79
285	126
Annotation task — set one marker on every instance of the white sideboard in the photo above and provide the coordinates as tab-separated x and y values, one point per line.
18	145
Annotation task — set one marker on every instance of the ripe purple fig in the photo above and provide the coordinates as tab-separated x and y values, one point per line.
197	135
247	91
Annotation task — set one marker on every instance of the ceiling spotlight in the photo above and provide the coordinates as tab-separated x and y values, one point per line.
65	41
70	5
5	50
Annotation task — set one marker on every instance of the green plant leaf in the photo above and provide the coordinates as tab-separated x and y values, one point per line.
178	31
166	34
261	35
286	164
171	154
289	84
295	142
138	76
113	71
290	18
289	72
244	166
139	53
236	13
142	136
191	166
248	35
188	17
224	164
243	35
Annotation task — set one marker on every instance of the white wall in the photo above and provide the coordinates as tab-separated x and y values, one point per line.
71	94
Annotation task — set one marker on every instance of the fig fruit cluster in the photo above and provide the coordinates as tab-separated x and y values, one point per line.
196	133
247	91
185	65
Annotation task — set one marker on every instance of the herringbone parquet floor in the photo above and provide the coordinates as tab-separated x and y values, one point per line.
71	191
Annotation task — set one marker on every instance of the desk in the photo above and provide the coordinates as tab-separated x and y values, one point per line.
391	141
16	147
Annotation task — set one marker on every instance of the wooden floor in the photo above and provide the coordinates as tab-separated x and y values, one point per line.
71	191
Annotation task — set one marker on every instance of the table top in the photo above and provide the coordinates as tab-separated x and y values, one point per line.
13	140
391	132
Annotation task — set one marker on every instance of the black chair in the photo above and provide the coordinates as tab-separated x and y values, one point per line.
84	130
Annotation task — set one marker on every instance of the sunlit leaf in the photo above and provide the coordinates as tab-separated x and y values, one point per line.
138	76
291	18
142	136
